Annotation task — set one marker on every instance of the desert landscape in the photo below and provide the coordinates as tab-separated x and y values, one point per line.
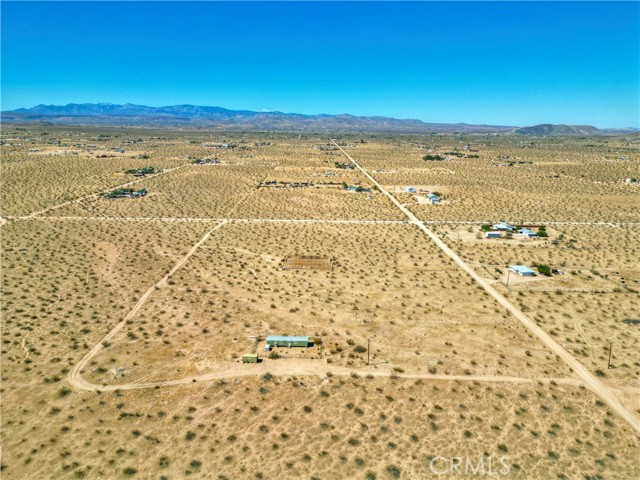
140	265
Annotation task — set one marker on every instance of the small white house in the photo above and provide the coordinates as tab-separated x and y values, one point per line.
527	233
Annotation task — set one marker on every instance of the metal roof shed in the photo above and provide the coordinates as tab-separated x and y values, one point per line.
503	226
250	358
285	341
522	270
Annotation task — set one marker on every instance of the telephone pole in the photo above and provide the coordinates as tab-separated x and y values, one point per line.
609	364
368	345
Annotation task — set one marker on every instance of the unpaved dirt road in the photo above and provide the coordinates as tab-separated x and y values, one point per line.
276	220
590	381
211	219
305	367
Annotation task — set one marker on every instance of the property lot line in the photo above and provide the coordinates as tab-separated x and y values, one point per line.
75	376
93	195
589	380
207	219
3	220
588	224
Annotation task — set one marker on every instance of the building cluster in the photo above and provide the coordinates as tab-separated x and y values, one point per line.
356	188
206	161
125	193
433	197
279	184
344	166
141	172
223	146
497	229
274	341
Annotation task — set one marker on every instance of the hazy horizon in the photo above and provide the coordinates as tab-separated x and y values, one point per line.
503	63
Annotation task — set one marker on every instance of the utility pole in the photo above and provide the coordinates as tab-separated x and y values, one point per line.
369	343
508	275
609	364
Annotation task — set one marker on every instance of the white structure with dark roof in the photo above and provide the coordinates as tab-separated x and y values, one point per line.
503	227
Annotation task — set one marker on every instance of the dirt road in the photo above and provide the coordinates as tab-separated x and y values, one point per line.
590	381
278	220
303	367
211	219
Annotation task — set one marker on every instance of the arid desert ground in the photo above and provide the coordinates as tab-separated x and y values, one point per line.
124	320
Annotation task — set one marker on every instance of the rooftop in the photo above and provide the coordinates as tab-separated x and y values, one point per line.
521	269
284	338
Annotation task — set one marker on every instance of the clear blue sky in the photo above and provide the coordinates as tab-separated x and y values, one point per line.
480	62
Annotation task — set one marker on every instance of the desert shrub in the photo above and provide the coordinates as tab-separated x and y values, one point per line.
393	471
544	270
63	392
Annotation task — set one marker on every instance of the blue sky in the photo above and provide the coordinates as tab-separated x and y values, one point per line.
508	63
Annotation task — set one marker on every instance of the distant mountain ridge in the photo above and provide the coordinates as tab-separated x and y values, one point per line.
194	116
217	117
547	129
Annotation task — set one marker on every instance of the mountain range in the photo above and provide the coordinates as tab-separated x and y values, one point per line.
193	116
